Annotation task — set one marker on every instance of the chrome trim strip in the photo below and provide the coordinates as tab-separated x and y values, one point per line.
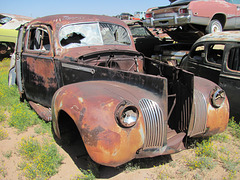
90	70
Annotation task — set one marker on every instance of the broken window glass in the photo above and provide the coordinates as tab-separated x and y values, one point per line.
93	34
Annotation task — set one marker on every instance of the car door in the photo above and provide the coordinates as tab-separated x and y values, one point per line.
236	4
194	59
38	69
205	60
211	67
17	54
229	78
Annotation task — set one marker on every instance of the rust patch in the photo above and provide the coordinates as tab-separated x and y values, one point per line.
43	71
82	112
91	137
109	140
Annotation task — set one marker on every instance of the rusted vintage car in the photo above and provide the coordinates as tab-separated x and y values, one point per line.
9	24
195	17
84	73
217	57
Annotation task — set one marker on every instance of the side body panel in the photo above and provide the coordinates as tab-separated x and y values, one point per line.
229	79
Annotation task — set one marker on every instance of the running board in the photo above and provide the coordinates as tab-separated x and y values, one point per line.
43	112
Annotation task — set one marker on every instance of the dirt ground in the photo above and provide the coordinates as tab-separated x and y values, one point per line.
162	167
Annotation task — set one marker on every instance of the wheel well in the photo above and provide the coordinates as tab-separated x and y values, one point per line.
69	132
221	18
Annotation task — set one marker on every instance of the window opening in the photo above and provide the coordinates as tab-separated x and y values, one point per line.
234	59
197	53
93	34
215	53
38	39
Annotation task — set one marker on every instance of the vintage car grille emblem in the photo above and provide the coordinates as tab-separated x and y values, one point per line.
154	123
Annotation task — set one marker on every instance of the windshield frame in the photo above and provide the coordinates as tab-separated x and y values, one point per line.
98	31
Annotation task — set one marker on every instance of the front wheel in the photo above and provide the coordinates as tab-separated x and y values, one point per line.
214	26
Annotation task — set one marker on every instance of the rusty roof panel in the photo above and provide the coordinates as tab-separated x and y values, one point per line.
233	36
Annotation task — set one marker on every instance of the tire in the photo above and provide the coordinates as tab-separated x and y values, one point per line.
214	26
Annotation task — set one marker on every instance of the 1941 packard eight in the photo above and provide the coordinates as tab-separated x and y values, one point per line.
83	72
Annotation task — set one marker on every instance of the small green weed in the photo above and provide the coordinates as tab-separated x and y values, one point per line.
8	95
201	163
3	172
22	116
205	154
3	134
41	160
206	149
164	172
87	175
7	154
220	137
2	115
235	128
44	127
231	163
131	167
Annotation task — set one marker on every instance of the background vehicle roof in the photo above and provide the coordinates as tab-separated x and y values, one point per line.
15	22
75	18
221	36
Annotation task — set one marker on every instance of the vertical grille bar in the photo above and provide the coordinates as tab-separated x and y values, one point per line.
154	123
200	119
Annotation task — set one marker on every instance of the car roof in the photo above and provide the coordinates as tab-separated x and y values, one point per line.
15	22
231	36
76	18
15	16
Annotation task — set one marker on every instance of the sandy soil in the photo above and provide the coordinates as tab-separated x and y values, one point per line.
163	167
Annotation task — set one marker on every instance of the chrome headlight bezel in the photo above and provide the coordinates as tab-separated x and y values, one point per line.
126	114
217	97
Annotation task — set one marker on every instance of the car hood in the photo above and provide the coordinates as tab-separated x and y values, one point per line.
75	53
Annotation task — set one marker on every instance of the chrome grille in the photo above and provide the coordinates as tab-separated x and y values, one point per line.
200	120
154	123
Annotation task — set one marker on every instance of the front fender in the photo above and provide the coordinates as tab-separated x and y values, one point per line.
207	120
92	107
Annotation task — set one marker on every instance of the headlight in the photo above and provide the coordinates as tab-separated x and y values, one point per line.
126	114
217	97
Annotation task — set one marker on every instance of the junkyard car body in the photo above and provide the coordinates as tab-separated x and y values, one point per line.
192	16
144	40
216	57
84	70
9	25
158	48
